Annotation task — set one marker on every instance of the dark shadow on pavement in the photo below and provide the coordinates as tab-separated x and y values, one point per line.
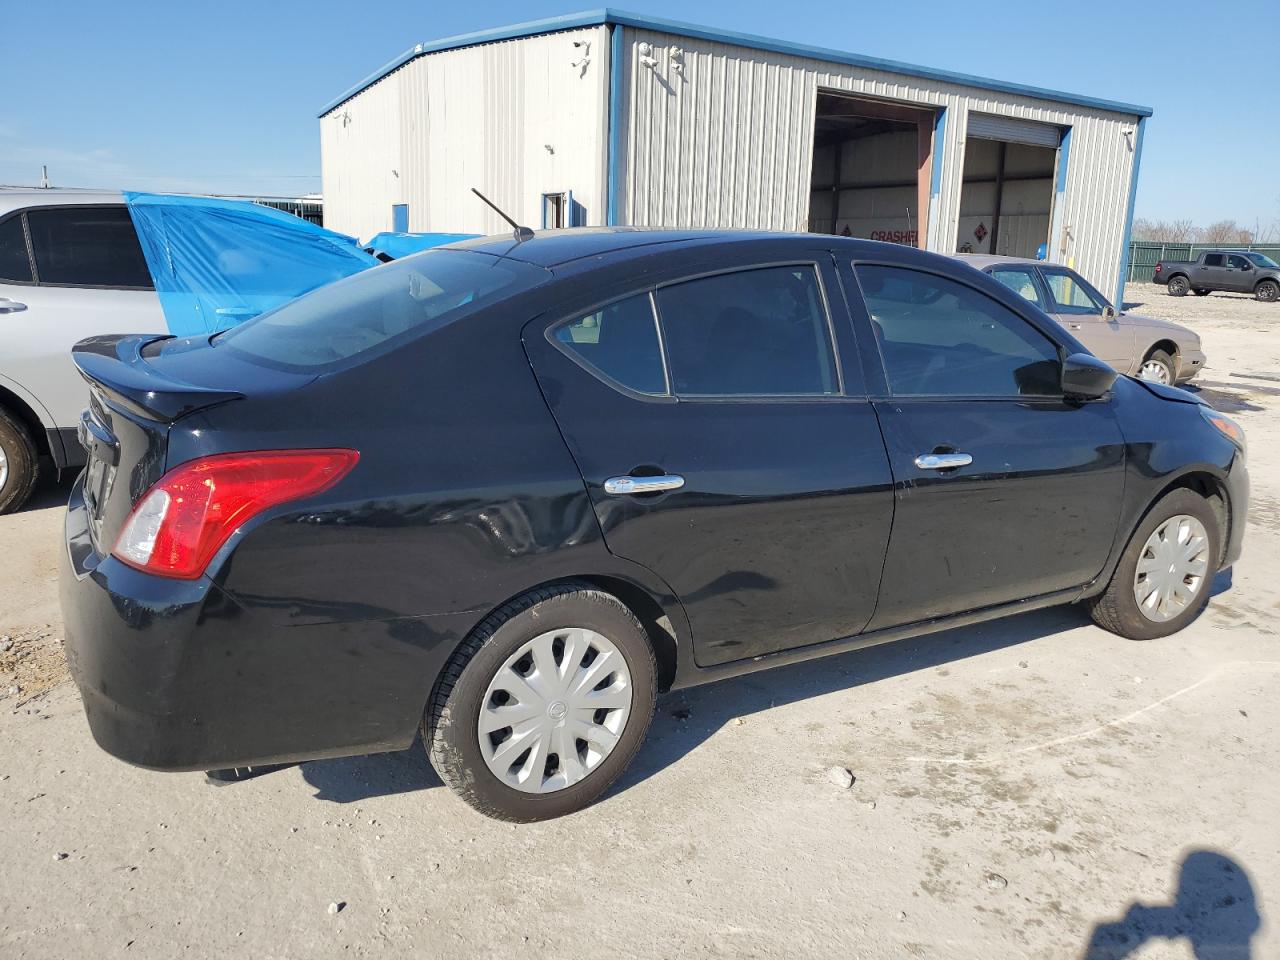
51	491
1215	909
351	779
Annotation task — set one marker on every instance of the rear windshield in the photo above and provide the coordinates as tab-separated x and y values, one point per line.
378	308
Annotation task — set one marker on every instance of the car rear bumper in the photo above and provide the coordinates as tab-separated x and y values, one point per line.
176	675
1190	363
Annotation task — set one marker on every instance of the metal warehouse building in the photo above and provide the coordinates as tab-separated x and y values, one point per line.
612	118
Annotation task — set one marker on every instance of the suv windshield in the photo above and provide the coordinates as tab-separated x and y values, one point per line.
1263	260
379	307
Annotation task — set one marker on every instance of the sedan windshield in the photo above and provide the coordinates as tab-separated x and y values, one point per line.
379	307
1263	260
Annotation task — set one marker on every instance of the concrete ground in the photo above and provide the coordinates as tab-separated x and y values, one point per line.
1028	788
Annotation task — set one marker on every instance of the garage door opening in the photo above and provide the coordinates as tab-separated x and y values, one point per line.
871	169
1006	201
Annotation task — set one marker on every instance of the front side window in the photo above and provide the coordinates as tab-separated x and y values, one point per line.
1071	294
15	263
1238	262
1022	282
761	332
941	338
390	303
621	342
87	247
1213	259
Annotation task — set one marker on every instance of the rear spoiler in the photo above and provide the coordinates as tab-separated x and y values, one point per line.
115	365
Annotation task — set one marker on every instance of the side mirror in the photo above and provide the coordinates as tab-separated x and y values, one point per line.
1108	312
1085	377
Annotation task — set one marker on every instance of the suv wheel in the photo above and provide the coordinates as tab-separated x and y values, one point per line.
545	704
1268	291
1158	367
19	463
1178	286
1162	581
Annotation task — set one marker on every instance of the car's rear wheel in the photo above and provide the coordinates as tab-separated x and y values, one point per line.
544	705
1162	581
1158	367
1178	286
19	463
1268	291
1201	292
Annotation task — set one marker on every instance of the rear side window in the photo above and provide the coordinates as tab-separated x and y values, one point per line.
382	305
1021	282
1213	259
15	263
87	247
754	332
621	342
941	338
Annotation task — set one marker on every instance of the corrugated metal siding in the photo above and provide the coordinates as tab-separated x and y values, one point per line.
360	159
989	127
479	117
728	142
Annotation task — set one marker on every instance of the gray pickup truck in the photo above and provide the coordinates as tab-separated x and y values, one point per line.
1237	271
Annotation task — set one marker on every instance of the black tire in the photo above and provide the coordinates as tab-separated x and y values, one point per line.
450	725
1268	291
1201	292
21	460
1166	361
1116	609
1178	286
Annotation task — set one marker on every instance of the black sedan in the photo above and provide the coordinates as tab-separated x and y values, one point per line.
507	492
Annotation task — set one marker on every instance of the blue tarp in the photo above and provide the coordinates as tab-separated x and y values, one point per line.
397	245
217	263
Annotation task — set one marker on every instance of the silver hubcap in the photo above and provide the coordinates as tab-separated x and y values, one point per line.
1172	568
4	468
555	710
1154	370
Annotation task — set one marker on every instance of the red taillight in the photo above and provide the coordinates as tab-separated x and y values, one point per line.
1159	267
175	529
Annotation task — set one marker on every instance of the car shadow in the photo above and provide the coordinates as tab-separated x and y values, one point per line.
52	490
1215	909
687	718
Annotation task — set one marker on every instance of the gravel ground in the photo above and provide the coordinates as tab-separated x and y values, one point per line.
1028	788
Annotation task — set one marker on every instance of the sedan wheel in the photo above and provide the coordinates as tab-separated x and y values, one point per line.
1158	368
1172	568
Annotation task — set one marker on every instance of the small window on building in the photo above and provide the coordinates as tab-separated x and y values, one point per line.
1213	259
941	338
555	211
621	342
15	262
87	247
750	333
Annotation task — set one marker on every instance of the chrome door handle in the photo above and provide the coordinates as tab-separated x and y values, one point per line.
626	486
943	461
1075	326
11	306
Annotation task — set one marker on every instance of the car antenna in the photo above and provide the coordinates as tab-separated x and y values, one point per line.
520	233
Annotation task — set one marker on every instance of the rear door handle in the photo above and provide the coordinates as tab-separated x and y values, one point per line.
1075	326
627	486
11	306
943	461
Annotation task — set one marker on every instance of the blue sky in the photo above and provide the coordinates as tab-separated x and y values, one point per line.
222	98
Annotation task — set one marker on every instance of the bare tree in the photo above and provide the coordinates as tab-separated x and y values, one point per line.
1224	231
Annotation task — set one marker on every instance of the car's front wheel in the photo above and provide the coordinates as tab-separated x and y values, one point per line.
1268	291
544	705
1158	367
1163	579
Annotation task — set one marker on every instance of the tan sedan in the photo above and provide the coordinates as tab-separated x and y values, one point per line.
1139	346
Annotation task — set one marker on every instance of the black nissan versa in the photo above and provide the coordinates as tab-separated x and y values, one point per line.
506	492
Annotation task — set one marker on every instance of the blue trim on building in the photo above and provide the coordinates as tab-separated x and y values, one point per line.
1064	153
1128	220
939	145
613	155
595	18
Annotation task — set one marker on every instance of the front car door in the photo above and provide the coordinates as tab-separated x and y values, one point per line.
1079	307
85	275
1239	273
1004	489
721	385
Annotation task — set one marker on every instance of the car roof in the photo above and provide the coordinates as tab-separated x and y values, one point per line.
980	261
17	198
550	248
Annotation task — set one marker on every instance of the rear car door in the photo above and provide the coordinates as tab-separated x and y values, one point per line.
1213	272
1005	490
1079	307
723	395
87	277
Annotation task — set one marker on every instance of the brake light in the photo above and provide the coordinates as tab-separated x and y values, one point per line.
1159	267
175	530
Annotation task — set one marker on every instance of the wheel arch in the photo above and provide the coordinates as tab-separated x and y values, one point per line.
1178	273
28	417
1207	484
1263	280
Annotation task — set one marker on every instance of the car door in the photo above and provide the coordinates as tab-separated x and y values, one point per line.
1213	272
1004	490
1078	306
726	449
87	276
1239	272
